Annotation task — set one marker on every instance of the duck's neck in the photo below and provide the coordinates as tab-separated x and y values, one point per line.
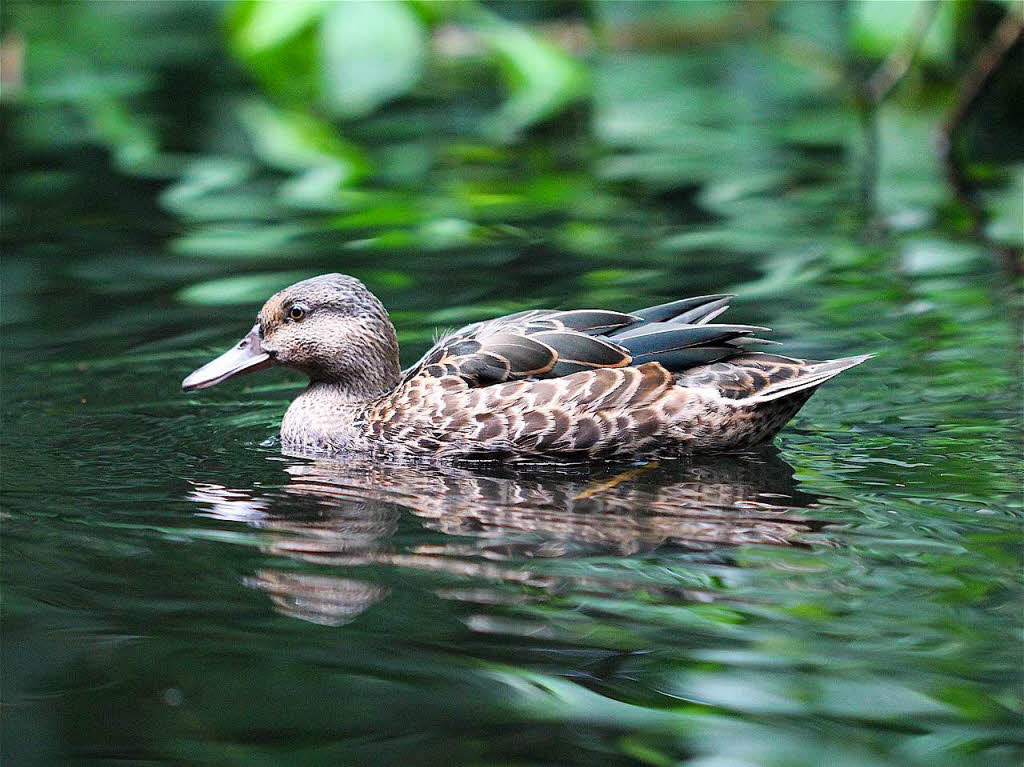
338	393
323	416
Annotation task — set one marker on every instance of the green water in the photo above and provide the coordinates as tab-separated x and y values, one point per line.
175	590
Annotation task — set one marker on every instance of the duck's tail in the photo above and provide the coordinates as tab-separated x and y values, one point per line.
753	378
810	375
744	401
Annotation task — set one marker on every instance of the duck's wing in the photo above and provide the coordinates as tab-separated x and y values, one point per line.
549	344
529	344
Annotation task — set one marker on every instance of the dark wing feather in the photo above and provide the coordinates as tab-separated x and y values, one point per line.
580	352
484	368
688	311
684	306
593	321
664	337
532	344
681	359
527	355
541	343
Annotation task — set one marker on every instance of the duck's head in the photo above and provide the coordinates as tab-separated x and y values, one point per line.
329	327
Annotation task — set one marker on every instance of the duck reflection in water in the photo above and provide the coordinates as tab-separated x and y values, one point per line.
346	512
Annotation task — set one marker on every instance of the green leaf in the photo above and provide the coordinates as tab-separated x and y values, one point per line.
259	26
242	289
276	41
295	141
540	79
371	53
880	26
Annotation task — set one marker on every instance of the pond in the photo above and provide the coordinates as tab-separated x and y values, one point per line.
176	590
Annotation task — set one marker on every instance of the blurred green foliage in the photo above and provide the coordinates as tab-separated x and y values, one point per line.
411	107
350	58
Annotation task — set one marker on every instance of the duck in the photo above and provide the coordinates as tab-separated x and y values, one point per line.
544	383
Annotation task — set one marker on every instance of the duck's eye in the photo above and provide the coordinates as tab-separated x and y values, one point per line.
296	313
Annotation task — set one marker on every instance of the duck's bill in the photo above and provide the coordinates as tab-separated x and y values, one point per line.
247	356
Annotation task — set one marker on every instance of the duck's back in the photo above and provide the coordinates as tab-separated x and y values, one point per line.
594	383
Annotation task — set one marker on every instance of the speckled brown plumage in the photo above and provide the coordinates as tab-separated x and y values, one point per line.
575	384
